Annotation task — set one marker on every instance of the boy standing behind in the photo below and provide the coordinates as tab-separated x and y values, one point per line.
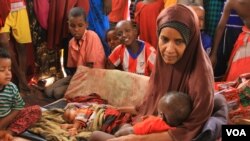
134	55
85	48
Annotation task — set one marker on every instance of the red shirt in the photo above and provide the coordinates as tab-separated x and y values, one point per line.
151	124
142	63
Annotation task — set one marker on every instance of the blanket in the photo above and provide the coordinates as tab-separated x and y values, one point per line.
49	127
103	117
119	88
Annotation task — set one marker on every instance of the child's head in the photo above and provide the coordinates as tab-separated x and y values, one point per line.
77	22
175	107
112	38
126	32
200	12
70	114
5	67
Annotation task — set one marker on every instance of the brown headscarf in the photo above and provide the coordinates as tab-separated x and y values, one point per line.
192	74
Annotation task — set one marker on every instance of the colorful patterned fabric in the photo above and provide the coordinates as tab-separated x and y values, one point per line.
25	119
113	120
240	56
89	98
103	118
140	63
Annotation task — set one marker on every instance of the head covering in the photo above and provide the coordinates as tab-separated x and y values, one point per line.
185	32
192	74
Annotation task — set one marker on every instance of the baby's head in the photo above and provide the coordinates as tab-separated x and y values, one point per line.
77	22
5	67
175	107
112	38
126	32
70	113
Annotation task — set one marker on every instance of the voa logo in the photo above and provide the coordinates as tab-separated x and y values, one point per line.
236	132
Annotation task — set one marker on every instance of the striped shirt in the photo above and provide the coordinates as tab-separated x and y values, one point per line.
10	99
140	63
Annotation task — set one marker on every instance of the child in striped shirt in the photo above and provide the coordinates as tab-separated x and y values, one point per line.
134	55
13	116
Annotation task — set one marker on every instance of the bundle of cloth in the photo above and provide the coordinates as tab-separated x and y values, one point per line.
237	94
93	115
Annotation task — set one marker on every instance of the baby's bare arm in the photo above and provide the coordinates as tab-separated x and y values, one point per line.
74	129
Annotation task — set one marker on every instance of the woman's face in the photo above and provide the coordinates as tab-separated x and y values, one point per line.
171	45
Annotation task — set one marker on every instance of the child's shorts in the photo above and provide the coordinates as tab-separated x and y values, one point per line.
18	21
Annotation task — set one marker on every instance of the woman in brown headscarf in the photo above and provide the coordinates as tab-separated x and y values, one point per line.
181	65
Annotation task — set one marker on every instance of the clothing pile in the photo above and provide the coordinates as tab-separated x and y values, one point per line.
237	94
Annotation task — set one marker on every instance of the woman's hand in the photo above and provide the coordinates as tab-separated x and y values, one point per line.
124	131
131	137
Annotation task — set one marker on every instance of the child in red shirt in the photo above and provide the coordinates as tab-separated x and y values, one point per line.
134	55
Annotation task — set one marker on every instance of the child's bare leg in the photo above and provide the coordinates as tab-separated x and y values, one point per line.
100	136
